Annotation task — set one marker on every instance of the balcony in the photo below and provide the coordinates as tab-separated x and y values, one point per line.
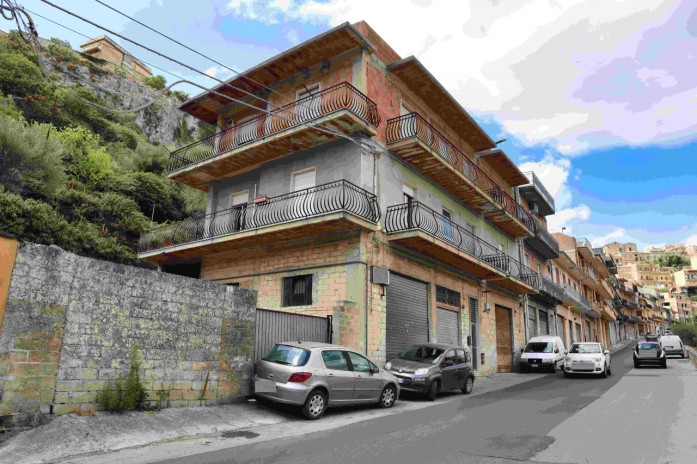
542	241
421	229
418	143
306	213
589	273
341	109
584	248
572	296
553	292
536	192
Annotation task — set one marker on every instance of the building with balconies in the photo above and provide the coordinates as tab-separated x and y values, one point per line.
347	182
686	279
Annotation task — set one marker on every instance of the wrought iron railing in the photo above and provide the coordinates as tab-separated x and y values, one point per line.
417	216
342	96
513	207
590	273
577	297
542	234
536	182
312	202
413	125
550	288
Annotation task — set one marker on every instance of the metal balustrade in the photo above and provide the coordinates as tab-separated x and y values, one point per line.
340	196
551	289
513	207
535	181
577	297
417	216
340	97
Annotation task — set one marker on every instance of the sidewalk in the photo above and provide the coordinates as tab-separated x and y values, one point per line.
79	437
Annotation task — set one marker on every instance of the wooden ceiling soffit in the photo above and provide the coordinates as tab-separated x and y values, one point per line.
419	80
286	64
506	168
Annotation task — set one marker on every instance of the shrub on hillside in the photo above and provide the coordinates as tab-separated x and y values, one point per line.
9	109
18	75
30	163
86	160
156	82
687	332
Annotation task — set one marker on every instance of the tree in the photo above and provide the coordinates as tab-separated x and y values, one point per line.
672	260
18	75
156	82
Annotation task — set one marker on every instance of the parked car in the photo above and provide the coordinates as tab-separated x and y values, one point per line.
320	375
542	353
587	358
432	368
672	345
651	353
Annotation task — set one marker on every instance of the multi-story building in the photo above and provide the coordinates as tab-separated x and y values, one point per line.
686	279
106	49
680	305
625	253
647	274
348	182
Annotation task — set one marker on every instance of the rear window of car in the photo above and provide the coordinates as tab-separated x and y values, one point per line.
287	355
648	346
539	347
671	338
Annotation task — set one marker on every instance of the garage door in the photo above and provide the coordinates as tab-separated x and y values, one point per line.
532	322
504	340
407	314
544	323
448	326
560	329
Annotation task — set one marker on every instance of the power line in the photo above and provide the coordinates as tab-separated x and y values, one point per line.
189	48
317	127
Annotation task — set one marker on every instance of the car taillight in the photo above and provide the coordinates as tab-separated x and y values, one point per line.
299	377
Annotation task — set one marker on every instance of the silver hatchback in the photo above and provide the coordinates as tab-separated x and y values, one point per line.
319	375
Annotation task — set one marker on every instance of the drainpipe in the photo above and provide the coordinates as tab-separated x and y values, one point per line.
521	255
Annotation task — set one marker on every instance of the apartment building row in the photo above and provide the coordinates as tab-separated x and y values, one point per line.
347	182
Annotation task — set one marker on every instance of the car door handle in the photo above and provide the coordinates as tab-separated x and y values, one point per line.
331	374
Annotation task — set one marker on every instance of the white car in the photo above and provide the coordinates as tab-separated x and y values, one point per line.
587	358
545	352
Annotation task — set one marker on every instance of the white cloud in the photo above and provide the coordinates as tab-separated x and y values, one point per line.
567	218
577	75
691	240
293	36
616	235
212	71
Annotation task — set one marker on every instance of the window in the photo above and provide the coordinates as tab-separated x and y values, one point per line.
447	296
359	363
304	179
408	194
335	360
239	198
288	355
309	99
447	224
233	284
461	357
297	290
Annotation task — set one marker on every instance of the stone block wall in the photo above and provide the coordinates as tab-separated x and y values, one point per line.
71	321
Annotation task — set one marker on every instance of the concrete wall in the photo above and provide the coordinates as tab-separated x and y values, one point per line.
70	322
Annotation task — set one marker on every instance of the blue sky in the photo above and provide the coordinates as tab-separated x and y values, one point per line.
598	97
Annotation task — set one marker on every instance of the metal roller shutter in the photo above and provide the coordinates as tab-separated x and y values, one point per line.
560	329
544	323
407	314
448	326
532	322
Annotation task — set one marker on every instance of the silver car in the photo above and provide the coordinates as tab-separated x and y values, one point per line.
319	375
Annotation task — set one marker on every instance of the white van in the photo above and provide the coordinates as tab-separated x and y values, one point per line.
543	353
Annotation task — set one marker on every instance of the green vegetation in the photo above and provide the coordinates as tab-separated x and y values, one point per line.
673	261
156	82
125	394
686	331
71	174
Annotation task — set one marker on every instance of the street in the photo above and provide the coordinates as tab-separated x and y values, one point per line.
549	419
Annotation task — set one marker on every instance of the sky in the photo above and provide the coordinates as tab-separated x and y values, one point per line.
598	97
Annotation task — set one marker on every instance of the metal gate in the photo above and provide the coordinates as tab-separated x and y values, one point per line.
504	340
474	331
276	326
544	322
448	327
407	314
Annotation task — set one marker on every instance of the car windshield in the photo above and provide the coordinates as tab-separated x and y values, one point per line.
539	347
585	349
648	346
287	355
424	354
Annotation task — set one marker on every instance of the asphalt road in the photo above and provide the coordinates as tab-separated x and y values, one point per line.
509	425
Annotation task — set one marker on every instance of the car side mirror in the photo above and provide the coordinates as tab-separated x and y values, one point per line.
556	350
375	370
607	351
448	363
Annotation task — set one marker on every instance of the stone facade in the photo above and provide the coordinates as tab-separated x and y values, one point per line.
71	321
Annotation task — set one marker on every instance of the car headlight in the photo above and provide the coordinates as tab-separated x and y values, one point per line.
388	366
423	371
598	360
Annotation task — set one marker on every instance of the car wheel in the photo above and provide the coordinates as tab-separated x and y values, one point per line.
469	385
523	368
433	391
388	397
604	373
682	355
636	365
315	405
609	369
664	365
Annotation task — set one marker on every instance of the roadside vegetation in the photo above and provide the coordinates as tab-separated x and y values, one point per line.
673	261
72	175
687	331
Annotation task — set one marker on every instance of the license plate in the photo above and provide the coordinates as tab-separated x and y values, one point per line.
534	365
264	386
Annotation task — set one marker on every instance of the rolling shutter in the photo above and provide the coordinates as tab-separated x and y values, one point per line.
544	323
532	322
448	326
407	314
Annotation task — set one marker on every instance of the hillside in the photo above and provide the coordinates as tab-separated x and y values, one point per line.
74	175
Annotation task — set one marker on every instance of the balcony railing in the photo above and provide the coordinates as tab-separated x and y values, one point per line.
551	289
340	97
413	125
340	196
583	242
577	297
535	181
417	216
590	273
513	207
